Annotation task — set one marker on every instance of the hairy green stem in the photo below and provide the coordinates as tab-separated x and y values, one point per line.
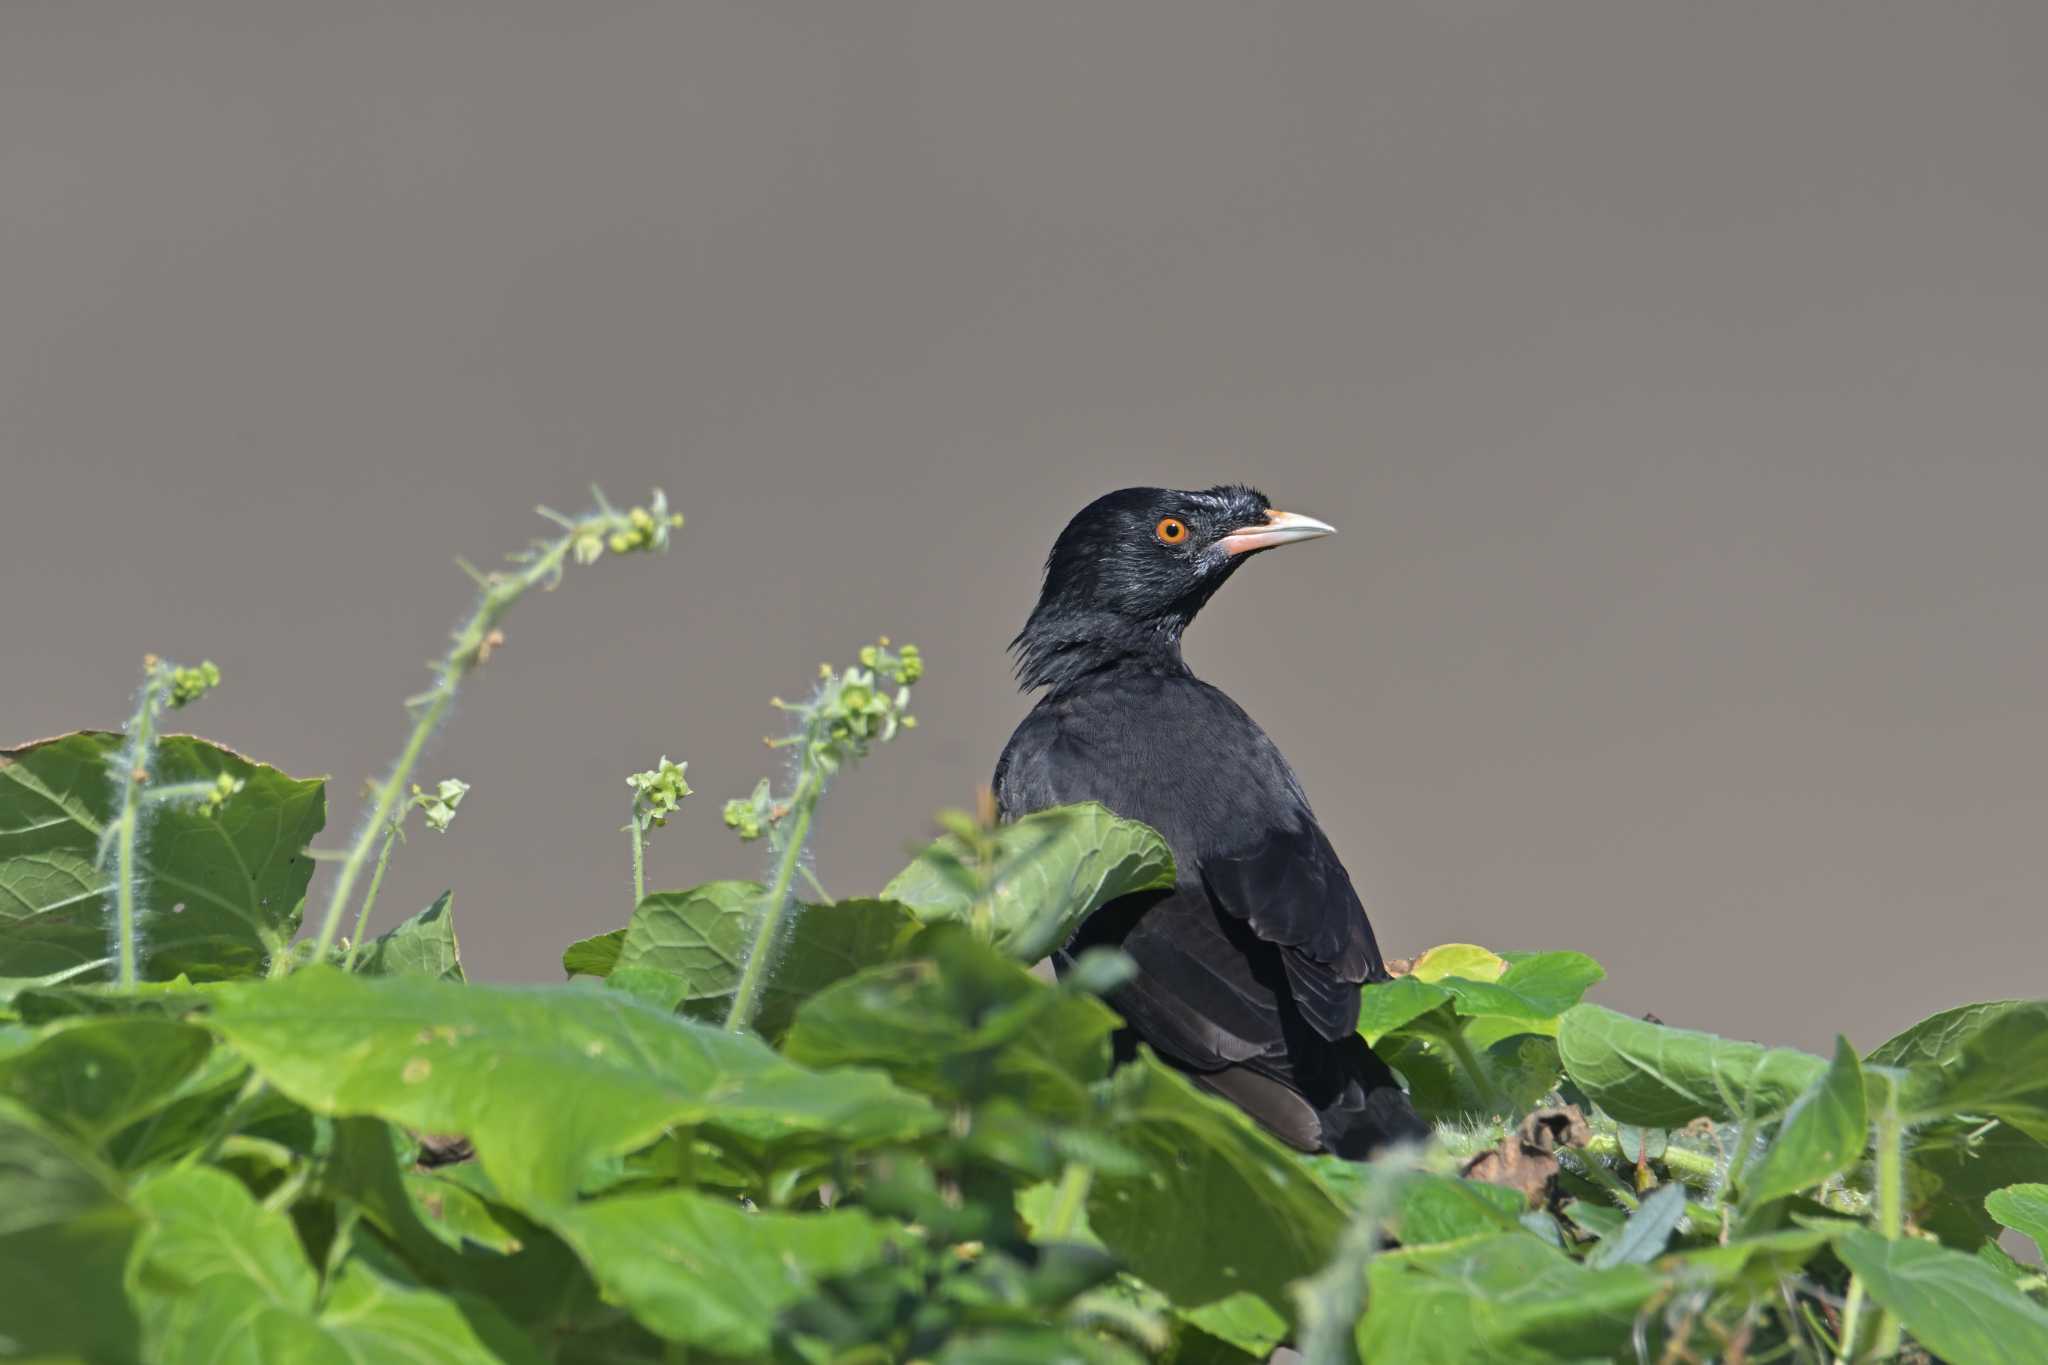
1069	1200
499	593
639	854
355	942
746	997
1683	1161
135	758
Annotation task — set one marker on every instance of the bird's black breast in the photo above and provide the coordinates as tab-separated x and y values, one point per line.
1160	746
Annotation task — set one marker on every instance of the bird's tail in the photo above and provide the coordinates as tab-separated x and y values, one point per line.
1367	1110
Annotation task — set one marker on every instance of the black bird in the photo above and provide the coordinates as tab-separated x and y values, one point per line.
1249	968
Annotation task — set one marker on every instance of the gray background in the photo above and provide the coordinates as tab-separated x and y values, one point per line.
1677	374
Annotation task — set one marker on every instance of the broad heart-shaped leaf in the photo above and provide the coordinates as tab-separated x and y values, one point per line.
545	1080
1505	1298
958	1020
1987	1060
1823	1133
594	956
699	1269
1223	1208
1052	869
702	937
2024	1209
1955	1305
421	946
1659	1077
222	1280
65	1233
219	893
95	1075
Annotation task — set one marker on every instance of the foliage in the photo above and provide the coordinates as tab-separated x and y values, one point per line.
853	1130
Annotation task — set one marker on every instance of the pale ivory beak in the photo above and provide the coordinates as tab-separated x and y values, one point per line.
1280	528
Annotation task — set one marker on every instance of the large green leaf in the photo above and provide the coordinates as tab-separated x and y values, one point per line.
545	1081
421	946
1659	1077
957	1020
1822	1134
222	1280
219	893
1955	1305
1508	1299
702	936
1223	1208
2024	1209
699	1269
65	1233
1989	1059
1050	870
96	1075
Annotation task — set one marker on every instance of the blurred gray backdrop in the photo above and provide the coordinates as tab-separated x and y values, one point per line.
1676	373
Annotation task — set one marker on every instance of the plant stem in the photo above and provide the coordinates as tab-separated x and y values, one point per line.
1068	1202
499	593
135	758
1891	1222
1461	1048
355	942
1680	1160
746	997
639	856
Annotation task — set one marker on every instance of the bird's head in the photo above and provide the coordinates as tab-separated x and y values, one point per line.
1134	566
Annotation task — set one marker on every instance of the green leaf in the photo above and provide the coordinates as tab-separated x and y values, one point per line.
1508	1299
546	1081
65	1234
421	946
222	1279
701	1270
219	893
702	936
1051	870
1643	1237
1389	1005
594	956
1987	1059
957	1020
1224	1208
1951	1166
1659	1077
1955	1305
94	1076
1245	1321
2024	1209
1467	961
1823	1133
1536	989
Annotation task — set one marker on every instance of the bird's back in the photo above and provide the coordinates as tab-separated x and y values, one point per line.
1249	969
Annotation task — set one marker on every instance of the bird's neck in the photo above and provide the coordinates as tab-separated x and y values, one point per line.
1056	649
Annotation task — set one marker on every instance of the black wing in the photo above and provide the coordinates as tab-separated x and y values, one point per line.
1293	891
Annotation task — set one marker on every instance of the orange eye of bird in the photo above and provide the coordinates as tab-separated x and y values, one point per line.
1171	530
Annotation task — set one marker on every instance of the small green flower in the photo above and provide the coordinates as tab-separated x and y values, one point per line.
659	792
439	805
190	684
224	786
751	815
